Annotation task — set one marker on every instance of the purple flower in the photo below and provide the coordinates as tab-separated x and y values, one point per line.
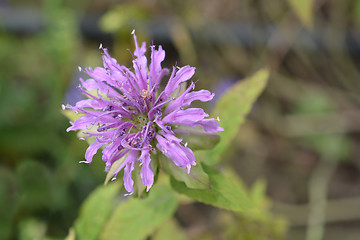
133	117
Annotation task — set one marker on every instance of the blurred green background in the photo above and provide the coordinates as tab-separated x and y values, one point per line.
302	136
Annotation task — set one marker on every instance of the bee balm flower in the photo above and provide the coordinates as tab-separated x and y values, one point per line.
133	117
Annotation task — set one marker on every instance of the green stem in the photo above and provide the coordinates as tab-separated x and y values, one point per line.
318	188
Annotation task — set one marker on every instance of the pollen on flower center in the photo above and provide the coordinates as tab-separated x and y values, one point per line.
140	121
146	94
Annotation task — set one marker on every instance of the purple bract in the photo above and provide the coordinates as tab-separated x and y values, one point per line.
132	115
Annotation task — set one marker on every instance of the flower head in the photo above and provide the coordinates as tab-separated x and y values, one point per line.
133	117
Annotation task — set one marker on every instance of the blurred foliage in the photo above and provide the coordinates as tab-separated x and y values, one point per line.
41	185
259	225
304	9
121	16
95	211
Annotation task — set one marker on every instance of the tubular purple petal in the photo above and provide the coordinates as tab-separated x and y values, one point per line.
185	117
202	95
130	116
174	151
209	125
129	167
91	103
92	150
156	72
139	51
179	102
146	173
184	74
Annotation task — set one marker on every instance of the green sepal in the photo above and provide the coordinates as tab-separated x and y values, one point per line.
115	166
197	138
196	179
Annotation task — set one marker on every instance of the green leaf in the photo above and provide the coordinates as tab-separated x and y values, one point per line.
257	192
95	211
356	10
169	230
137	218
196	179
71	115
226	191
114	167
71	235
232	109
31	229
197	138
304	10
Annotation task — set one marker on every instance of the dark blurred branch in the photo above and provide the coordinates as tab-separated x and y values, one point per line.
32	21
21	20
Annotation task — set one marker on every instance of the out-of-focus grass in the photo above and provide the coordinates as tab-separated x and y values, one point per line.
40	177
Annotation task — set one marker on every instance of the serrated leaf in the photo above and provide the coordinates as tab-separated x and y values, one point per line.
232	109
196	179
95	211
226	192
304	10
135	219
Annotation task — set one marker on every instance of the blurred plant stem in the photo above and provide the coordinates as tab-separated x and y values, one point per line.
318	189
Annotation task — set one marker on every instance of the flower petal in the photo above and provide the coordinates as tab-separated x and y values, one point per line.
129	167
174	151
110	150
202	95
185	117
178	102
184	74
209	125
156	72
81	123
146	173
139	51
91	103
140	66
92	150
